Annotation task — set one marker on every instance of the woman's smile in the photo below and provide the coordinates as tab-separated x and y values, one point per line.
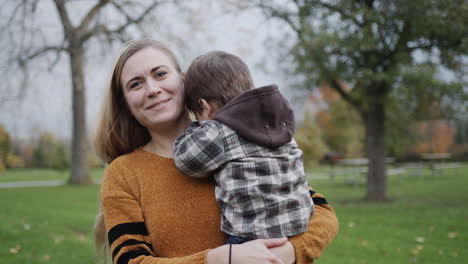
159	105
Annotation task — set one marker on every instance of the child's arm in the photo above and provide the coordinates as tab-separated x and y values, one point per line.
200	149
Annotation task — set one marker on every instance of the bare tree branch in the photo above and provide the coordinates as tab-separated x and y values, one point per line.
344	94
13	15
58	54
22	87
140	18
117	32
90	16
62	11
41	52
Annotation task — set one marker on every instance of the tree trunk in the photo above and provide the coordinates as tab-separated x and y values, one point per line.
374	119
79	158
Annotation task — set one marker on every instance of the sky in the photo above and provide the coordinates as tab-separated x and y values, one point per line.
201	26
196	28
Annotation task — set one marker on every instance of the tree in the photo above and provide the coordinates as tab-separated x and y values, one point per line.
371	45
74	39
308	137
435	136
339	122
5	147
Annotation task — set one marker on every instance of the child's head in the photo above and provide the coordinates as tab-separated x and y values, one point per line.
214	79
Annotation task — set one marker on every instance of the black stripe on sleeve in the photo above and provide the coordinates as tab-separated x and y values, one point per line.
137	228
129	242
319	201
312	192
127	256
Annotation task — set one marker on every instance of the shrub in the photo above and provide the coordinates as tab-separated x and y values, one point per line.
94	161
50	153
309	140
2	167
5	145
14	162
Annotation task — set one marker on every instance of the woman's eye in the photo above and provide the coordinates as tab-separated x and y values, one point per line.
135	85
160	74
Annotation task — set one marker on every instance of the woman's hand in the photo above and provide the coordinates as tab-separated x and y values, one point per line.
253	252
285	252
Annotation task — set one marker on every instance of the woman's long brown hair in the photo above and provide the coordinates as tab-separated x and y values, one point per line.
118	132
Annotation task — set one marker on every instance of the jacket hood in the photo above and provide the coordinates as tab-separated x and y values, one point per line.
260	115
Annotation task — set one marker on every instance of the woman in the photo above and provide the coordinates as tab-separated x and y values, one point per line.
152	213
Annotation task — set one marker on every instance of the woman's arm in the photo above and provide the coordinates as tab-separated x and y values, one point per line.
323	227
252	252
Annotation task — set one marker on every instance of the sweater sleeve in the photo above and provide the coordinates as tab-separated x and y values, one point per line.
323	227
125	225
200	149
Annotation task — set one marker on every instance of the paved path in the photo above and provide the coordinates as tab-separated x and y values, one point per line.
21	184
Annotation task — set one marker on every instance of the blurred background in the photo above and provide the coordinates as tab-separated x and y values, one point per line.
379	89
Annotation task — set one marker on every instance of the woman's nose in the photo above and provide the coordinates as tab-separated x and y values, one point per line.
153	88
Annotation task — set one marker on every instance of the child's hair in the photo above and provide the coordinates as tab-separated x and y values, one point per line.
217	77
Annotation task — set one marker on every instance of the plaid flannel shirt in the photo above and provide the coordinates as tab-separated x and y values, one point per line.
262	192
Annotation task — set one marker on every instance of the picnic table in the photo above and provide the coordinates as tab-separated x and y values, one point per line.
357	167
436	161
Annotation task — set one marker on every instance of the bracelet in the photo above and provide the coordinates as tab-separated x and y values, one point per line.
230	251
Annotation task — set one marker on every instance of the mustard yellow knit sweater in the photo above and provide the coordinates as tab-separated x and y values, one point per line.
154	214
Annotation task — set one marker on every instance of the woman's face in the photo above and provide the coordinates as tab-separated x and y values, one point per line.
153	89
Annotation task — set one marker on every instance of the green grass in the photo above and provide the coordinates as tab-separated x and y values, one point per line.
41	175
48	224
55	224
426	220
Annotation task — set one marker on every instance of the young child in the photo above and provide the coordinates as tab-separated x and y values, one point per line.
244	138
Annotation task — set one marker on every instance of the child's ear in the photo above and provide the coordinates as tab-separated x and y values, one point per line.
207	108
204	104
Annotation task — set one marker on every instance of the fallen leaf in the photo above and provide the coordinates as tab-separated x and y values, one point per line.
27	227
15	250
82	237
415	251
58	239
420	239
452	235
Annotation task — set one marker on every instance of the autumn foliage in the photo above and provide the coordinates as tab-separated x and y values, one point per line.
433	137
339	124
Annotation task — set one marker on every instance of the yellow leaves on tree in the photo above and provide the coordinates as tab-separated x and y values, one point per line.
434	137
